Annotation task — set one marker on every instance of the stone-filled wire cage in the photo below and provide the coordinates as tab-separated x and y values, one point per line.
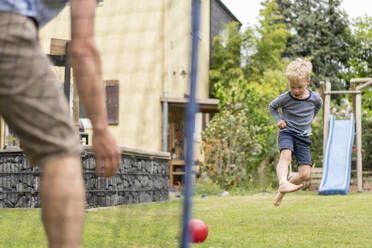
19	183
142	177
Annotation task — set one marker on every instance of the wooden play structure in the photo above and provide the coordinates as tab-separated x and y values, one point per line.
356	87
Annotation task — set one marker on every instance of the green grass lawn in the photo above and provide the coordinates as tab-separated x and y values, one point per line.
304	220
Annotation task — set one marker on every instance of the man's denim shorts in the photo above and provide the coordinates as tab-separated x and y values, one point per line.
299	145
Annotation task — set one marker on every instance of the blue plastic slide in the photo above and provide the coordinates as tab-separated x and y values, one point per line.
337	161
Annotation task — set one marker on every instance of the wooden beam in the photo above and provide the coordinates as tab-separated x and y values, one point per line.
58	46
359	80
357	110
358	124
342	92
368	84
327	116
209	105
322	90
353	86
211	101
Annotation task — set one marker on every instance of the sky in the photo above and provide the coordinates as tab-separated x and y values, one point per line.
247	10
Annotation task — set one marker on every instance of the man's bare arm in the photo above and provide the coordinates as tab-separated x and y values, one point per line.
86	64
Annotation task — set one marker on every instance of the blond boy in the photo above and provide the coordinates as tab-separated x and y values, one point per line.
299	106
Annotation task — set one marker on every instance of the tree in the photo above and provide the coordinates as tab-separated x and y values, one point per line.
360	62
270	43
239	137
254	54
320	31
227	58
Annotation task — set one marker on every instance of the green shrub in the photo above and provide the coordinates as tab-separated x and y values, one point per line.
239	137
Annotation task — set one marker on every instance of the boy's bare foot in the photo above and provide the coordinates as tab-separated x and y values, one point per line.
287	187
278	199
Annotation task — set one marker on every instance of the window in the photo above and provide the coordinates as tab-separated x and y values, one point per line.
112	101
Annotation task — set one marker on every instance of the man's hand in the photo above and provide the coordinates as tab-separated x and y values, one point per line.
106	152
281	124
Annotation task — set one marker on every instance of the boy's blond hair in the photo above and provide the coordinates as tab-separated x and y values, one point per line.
299	70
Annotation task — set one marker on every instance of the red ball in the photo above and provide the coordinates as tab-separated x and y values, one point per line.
199	231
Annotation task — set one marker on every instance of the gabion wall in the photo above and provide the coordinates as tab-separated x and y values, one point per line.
141	178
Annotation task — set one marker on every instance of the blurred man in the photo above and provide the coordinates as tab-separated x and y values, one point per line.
33	105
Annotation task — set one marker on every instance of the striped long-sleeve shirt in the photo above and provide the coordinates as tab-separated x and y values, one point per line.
297	113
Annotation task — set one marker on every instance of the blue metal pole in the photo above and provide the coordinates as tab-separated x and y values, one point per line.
190	124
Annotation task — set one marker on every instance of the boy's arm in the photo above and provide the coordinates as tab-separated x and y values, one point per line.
274	108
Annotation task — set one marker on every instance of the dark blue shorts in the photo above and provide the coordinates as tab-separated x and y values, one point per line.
299	145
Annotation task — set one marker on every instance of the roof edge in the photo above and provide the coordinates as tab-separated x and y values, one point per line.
228	11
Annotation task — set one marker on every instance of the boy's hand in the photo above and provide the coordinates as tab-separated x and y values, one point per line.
281	124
